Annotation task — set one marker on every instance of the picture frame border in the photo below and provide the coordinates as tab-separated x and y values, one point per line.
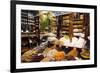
13	35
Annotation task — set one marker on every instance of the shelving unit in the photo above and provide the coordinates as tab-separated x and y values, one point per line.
73	24
78	23
66	25
29	28
37	31
81	23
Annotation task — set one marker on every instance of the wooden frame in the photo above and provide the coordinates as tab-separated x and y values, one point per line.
13	35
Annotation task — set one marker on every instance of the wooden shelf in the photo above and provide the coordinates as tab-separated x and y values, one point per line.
27	32
77	19
28	36
77	22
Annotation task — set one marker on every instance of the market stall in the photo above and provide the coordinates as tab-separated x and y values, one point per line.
54	36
